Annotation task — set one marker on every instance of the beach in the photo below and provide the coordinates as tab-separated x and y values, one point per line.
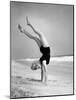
26	82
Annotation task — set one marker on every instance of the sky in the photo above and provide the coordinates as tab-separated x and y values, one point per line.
54	21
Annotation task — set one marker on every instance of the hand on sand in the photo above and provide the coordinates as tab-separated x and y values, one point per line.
28	23
20	28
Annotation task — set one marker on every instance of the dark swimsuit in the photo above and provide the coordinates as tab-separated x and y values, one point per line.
46	54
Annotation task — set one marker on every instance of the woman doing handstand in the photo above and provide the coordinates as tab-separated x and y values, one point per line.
44	49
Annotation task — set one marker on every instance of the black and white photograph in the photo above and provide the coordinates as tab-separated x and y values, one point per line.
41	49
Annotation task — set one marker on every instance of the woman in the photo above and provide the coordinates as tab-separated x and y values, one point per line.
44	49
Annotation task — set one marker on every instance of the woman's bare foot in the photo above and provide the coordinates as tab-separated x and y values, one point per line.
28	23
20	28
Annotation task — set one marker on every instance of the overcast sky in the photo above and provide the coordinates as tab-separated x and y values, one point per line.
54	21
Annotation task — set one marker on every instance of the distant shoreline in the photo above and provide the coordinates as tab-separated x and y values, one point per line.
57	59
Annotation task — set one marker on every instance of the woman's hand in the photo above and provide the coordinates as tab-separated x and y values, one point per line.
20	28
28	23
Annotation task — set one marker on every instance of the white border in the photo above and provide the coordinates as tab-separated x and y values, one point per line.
5	48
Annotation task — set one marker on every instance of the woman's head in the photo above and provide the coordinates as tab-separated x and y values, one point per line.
35	66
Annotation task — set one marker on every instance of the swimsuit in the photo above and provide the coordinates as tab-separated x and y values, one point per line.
46	54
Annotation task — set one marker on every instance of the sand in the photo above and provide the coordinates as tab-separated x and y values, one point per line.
26	82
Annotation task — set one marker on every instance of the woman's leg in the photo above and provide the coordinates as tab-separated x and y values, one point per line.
25	32
29	35
29	24
41	36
